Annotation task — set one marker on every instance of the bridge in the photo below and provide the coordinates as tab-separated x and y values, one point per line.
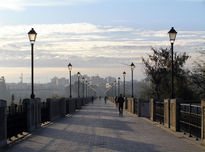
84	125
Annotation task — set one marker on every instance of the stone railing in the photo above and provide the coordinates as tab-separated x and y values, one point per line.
203	122
139	107
57	108
33	112
3	123
182	115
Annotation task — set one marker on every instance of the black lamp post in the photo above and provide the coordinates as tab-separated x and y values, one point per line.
118	86
88	92
78	74
132	69
113	94
86	88
83	79
124	74
70	68
32	37
172	36
115	88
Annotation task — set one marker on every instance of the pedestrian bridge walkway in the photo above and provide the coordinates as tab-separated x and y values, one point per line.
98	127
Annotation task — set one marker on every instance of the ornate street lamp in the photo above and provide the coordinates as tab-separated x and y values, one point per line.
124	74
172	36
32	37
132	69
78	74
118	86
70	69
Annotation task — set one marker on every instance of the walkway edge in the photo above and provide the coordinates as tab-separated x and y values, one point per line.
177	134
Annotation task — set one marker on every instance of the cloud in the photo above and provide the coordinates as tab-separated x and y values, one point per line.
11	4
88	46
19	5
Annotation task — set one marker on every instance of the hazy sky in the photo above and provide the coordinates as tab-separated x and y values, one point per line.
96	36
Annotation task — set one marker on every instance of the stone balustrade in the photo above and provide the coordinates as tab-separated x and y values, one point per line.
3	123
203	122
55	108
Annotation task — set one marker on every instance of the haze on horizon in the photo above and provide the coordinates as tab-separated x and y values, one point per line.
97	36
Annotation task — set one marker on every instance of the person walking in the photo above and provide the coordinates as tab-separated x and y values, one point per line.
120	102
105	98
92	99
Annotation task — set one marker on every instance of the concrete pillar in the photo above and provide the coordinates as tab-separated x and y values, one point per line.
152	109
133	105
167	113
129	104
54	108
67	105
29	111
62	107
71	103
78	100
37	103
3	123
33	107
125	102
174	114
203	122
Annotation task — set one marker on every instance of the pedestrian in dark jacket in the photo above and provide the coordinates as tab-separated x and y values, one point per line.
92	99
105	98
120	101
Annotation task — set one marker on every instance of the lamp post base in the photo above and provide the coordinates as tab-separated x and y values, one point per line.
32	96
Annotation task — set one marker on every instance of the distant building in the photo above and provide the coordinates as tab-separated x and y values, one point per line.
4	94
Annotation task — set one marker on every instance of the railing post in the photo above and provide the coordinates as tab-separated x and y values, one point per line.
3	123
62	107
203	122
152	110
190	120
174	114
133	105
167	113
37	102
33	112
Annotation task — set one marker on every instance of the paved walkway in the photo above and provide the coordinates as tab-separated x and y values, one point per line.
98	128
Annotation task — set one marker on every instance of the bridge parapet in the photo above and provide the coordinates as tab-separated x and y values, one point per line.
57	108
142	108
174	114
203	122
3	123
33	112
167	113
130	105
152	109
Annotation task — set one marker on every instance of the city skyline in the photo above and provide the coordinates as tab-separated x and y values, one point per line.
99	43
